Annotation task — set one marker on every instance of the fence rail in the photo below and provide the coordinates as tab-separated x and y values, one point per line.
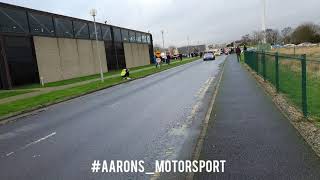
288	73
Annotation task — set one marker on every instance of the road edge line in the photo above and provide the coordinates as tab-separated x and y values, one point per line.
205	124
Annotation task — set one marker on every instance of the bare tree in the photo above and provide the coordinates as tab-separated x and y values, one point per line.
272	36
257	37
286	34
246	39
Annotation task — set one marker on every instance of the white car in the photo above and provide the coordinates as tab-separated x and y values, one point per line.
209	56
217	53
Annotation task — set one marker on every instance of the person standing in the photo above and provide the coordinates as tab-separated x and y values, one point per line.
158	62
238	52
154	60
168	59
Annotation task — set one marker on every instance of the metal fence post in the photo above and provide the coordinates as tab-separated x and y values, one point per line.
251	60
264	66
277	71
304	85
257	62
247	59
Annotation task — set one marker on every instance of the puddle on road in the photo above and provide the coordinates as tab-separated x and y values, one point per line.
179	138
177	135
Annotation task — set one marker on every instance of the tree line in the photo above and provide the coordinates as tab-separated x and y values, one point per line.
306	32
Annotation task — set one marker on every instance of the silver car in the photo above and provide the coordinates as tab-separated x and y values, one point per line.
208	57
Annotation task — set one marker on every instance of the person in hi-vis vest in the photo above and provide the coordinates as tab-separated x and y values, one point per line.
125	73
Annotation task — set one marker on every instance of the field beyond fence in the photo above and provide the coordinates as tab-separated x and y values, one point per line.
311	52
296	76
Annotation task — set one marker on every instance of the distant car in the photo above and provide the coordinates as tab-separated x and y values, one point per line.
289	45
208	57
217	53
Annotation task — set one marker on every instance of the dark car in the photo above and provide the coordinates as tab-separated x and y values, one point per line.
208	57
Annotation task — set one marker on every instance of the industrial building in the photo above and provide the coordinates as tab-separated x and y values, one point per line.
40	45
192	49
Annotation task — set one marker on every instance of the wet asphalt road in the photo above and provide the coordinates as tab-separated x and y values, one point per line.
157	117
248	131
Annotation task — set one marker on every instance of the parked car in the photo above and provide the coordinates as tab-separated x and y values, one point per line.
306	44
209	56
289	45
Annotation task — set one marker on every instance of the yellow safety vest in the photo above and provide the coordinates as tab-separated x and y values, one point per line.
123	72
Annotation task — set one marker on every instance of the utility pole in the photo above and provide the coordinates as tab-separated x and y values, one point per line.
93	13
264	4
188	45
162	32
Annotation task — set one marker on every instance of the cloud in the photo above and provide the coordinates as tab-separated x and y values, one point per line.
204	21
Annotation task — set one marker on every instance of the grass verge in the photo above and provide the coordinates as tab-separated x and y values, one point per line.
6	94
290	84
32	103
84	78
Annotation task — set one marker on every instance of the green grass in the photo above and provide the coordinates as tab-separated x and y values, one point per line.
68	81
6	94
290	85
80	79
60	95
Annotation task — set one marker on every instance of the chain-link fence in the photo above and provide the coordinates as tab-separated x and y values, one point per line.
288	74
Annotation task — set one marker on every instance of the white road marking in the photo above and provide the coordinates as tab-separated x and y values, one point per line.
10	153
39	140
150	173
32	143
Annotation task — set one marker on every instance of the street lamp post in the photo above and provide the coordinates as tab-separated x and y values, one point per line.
188	46
93	13
264	21
162	32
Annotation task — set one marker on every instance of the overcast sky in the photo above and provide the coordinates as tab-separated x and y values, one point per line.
204	21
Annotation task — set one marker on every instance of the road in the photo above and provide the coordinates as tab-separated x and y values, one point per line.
158	117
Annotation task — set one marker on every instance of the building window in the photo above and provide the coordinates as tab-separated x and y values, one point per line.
117	34
81	29
41	24
139	39
125	35
144	38
92	31
132	36
13	21
148	39
106	33
63	27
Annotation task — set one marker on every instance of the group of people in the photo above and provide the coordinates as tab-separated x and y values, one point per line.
238	52
165	59
125	72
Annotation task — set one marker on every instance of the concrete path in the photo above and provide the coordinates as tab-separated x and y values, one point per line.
39	91
250	133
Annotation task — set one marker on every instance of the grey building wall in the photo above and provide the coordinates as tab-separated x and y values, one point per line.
62	58
197	48
136	54
85	52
